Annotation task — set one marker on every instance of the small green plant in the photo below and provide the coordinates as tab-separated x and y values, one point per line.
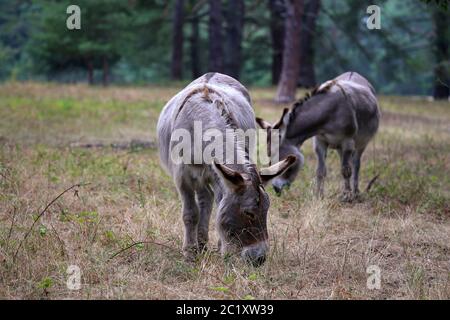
253	277
220	289
42	231
87	216
45	283
229	279
110	235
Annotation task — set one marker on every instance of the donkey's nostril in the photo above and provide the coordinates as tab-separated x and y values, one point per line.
279	186
277	190
258	261
256	256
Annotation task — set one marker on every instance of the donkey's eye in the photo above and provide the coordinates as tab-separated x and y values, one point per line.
249	215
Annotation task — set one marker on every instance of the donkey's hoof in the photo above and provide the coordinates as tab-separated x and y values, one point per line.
189	259
359	197
346	197
190	254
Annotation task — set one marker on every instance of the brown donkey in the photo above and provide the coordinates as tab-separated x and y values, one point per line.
341	114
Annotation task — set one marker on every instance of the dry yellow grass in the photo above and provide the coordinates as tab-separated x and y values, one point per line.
319	248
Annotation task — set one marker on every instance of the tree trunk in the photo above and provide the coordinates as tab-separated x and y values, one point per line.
105	71
177	41
291	53
235	24
277	11
215	36
90	69
441	89
194	47
307	77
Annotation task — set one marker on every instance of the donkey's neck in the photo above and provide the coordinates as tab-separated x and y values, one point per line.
307	120
236	158
236	150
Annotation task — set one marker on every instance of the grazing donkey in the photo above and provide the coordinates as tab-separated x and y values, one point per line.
221	103
341	114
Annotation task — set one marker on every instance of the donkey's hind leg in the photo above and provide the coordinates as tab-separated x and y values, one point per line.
190	219
205	199
320	148
346	153
355	174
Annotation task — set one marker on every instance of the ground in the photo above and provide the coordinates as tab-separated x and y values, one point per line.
122	226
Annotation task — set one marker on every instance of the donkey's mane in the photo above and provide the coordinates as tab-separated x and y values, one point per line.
320	89
230	121
205	90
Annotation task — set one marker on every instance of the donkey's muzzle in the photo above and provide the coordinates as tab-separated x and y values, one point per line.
255	254
279	186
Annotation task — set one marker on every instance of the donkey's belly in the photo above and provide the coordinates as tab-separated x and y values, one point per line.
333	141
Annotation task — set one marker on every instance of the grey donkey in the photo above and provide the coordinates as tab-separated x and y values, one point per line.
218	102
341	114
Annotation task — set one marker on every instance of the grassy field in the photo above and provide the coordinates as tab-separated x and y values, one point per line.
123	228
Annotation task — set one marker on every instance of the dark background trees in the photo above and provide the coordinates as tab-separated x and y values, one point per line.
277	16
154	41
215	38
290	66
177	40
441	22
307	76
234	28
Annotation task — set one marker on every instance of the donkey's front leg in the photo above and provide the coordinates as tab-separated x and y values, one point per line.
190	219
205	199
320	149
346	153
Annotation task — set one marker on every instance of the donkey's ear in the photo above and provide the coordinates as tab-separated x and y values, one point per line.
263	123
278	168
283	120
232	178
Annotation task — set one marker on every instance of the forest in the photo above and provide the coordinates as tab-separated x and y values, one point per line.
148	42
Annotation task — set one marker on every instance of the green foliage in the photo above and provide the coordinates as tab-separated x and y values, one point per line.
103	27
14	35
45	283
110	235
443	4
135	38
42	231
253	277
390	57
221	289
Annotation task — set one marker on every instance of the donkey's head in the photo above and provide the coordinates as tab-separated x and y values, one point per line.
285	148
242	212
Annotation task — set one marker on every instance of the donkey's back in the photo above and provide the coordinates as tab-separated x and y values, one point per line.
193	103
355	77
358	105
